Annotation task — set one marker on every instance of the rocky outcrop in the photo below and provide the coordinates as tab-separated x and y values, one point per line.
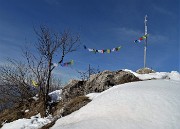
97	83
73	89
75	104
145	71
105	80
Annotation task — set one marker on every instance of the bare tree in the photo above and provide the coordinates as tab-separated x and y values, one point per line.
51	47
85	75
55	83
15	86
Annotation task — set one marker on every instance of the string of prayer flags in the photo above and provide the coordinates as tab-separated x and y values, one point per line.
103	50
63	64
67	63
34	83
141	38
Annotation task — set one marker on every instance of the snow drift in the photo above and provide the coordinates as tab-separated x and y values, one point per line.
150	104
35	122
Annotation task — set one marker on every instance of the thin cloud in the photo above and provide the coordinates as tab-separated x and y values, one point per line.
133	34
162	10
158	38
129	32
65	73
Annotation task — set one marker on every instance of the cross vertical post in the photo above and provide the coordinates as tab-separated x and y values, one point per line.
145	46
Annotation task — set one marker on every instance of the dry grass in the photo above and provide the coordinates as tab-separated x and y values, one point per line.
10	115
36	107
75	104
71	106
18	112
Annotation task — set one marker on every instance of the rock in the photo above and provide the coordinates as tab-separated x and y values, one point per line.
105	80
73	89
97	83
145	71
75	104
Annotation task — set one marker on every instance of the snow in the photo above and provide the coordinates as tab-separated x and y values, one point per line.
152	104
27	110
92	95
35	97
173	75
34	123
55	96
148	104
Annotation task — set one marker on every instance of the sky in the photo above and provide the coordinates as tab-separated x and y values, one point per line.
102	24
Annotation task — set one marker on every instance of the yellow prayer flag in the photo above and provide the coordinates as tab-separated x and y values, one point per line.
108	51
34	83
144	37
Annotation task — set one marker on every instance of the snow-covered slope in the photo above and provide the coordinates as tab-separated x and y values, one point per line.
35	122
173	75
152	104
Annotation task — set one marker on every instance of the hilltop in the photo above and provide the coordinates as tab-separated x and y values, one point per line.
112	102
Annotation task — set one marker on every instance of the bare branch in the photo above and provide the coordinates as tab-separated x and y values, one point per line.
49	45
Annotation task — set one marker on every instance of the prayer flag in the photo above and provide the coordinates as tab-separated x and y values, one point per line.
67	63
101	51
34	83
144	37
108	50
113	49
141	38
91	50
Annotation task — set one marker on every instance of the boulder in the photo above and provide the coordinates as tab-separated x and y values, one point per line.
106	79
73	89
145	71
97	83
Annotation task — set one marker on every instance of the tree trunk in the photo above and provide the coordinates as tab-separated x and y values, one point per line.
47	88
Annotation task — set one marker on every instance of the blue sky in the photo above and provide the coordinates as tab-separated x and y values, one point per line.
101	24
